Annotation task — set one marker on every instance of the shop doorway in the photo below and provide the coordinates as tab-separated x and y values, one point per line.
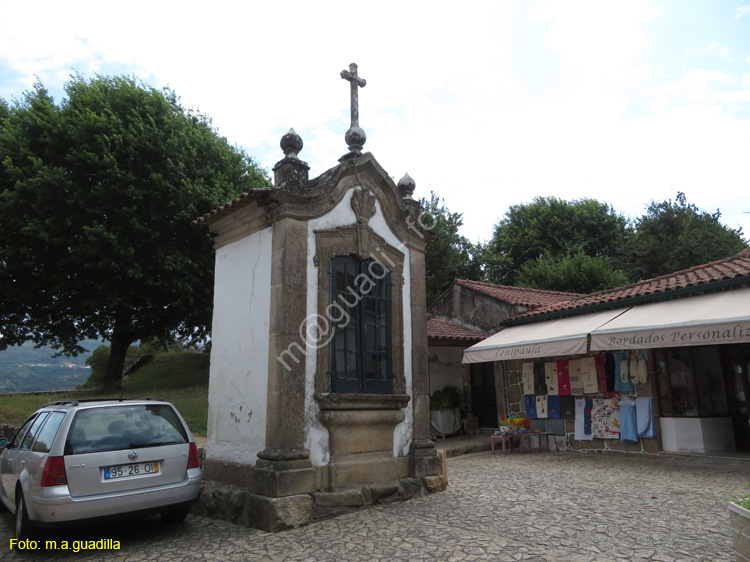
736	361
483	395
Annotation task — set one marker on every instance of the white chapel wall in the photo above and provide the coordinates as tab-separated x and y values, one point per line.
238	384
317	435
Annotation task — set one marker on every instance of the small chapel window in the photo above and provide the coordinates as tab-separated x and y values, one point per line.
361	348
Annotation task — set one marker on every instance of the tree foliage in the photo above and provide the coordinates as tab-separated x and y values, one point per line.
584	246
543	241
449	255
96	200
577	273
676	235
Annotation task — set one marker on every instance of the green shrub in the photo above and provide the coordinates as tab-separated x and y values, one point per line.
447	398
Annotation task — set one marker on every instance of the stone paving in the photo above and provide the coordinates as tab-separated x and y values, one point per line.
544	507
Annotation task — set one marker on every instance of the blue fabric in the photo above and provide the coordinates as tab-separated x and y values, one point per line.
628	422
620	385
553	406
644	412
587	416
530	405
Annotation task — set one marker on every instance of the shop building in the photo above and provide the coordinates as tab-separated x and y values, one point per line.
657	365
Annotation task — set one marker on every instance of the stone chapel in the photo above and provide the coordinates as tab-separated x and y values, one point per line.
319	391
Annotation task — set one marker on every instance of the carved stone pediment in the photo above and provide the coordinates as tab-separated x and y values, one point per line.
363	203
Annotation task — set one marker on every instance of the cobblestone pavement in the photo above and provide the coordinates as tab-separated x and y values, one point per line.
539	507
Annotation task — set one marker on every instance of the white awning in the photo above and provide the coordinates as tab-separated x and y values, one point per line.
565	336
710	319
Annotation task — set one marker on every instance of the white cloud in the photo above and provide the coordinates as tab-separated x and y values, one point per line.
741	11
697	86
722	50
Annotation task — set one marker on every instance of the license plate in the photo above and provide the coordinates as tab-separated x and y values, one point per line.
128	470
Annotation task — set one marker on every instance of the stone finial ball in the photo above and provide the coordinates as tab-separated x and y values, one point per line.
406	186
291	144
355	138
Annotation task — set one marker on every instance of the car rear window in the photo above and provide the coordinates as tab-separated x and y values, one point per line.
111	428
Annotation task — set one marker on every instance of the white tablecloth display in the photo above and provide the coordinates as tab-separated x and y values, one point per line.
446	421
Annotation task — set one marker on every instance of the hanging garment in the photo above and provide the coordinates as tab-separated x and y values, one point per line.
553	406
574	374
527	378
563	378
540	384
587	417
589	376
568	407
644	411
641	369
611	372
601	371
622	372
580	407
628	423
550	375
529	401
541	407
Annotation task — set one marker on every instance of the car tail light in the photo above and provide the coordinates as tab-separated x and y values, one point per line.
194	460
53	473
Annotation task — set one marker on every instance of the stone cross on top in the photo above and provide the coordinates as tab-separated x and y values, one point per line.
355	137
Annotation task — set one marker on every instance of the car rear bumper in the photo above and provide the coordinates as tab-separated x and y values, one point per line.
56	507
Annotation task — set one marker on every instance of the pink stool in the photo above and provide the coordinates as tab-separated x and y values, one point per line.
523	438
503	438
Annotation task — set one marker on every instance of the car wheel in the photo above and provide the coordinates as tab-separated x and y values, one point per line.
175	515
23	528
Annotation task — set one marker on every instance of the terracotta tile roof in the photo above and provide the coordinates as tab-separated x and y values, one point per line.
442	330
238	202
519	296
735	267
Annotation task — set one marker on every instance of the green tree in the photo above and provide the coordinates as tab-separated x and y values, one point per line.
540	242
449	255
96	200
676	235
576	273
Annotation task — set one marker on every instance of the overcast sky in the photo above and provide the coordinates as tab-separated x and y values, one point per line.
488	104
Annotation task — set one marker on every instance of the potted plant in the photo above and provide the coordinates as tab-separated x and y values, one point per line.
739	516
446	399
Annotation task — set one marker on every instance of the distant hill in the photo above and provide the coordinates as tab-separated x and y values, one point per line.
25	368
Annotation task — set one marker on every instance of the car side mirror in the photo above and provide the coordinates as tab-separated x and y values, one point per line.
3	442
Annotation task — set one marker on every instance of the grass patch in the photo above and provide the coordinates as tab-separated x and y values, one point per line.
179	377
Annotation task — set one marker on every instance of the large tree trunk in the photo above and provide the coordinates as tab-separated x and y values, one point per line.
121	340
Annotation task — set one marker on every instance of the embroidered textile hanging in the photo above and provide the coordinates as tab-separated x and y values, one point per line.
580	434
550	372
563	378
605	418
574	375
527	376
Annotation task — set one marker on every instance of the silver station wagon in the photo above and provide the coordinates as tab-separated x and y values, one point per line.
72	461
